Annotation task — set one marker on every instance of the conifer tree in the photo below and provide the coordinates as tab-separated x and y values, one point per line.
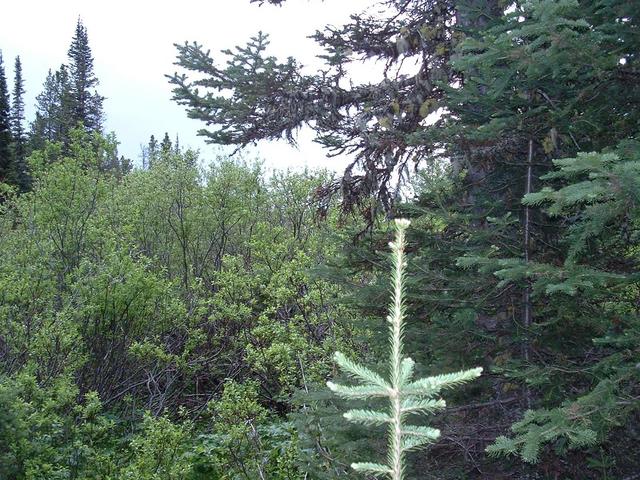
176	145
69	97
374	122
42	126
5	128
165	145
521	105
87	103
406	395
54	110
152	151
597	194
17	127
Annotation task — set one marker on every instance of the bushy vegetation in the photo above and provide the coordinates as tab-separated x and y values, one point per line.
179	320
181	293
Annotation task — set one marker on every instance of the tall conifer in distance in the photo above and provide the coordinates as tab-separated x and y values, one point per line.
69	96
54	109
17	127
87	103
41	127
5	128
406	396
165	145
152	151
176	145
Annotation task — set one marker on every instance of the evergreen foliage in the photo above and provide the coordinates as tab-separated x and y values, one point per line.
179	321
69	97
406	395
86	102
514	89
54	108
6	157
17	128
255	96
152	152
165	145
600	193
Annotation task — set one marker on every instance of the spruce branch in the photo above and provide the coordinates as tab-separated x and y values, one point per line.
405	395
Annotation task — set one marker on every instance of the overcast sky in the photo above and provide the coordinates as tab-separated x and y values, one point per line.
132	44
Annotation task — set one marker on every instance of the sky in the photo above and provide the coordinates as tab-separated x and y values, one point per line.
132	45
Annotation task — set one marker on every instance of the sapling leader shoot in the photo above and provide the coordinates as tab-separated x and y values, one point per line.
406	396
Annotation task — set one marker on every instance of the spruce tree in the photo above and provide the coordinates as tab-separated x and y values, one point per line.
165	145
487	256
6	160
176	145
17	127
54	110
406	396
152	151
253	96
87	103
69	97
597	196
41	127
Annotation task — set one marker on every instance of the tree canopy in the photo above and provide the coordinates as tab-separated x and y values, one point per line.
179	317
